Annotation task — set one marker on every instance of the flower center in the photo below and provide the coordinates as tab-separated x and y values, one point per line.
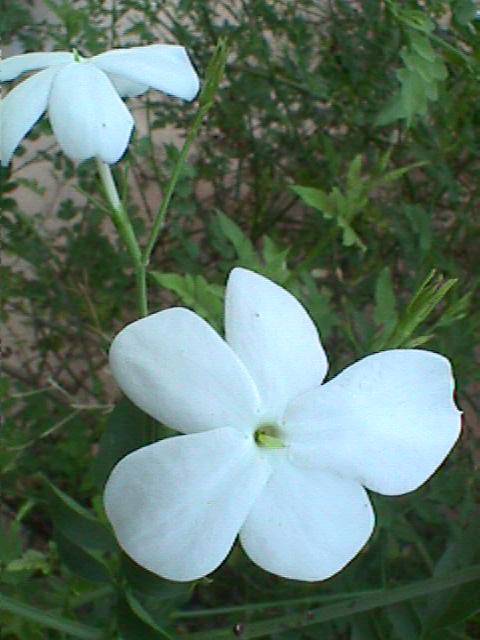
268	436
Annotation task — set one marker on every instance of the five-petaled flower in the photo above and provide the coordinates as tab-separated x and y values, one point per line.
83	96
270	452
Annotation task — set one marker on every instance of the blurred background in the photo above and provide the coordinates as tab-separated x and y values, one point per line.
341	159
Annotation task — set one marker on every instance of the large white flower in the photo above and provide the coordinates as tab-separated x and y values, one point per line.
270	452
83	96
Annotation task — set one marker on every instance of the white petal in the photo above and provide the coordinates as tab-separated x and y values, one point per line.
175	367
176	506
87	115
126	88
388	421
21	108
165	67
275	338
307	524
14	66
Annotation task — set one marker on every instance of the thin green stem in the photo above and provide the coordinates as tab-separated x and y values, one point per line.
272	604
213	77
177	171
124	227
118	213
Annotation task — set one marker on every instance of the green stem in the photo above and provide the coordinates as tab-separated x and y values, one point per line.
118	213
124	227
212	80
162	212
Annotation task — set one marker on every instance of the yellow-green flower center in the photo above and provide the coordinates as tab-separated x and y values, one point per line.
268	436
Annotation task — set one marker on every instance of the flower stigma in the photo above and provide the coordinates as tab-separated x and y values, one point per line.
268	436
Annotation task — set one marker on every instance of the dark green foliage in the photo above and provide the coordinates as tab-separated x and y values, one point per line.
341	158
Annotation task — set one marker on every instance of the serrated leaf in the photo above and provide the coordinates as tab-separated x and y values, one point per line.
430	71
417	20
422	46
333	206
315	198
392	111
413	93
204	298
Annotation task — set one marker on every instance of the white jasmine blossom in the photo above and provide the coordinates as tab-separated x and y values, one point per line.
83	96
270	453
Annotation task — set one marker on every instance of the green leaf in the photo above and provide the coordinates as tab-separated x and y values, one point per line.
363	628
83	563
315	198
451	607
242	245
32	560
413	93
337	611
417	20
275	261
130	626
422	46
421	224
214	73
77	523
142	614
127	430
10	543
404	621
430	71
464	11
49	620
150	584
429	295
195	292
333	206
385	313
354	173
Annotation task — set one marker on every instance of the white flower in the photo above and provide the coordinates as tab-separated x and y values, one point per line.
83	96
270	453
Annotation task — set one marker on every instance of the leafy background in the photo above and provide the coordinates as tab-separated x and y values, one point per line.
341	158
